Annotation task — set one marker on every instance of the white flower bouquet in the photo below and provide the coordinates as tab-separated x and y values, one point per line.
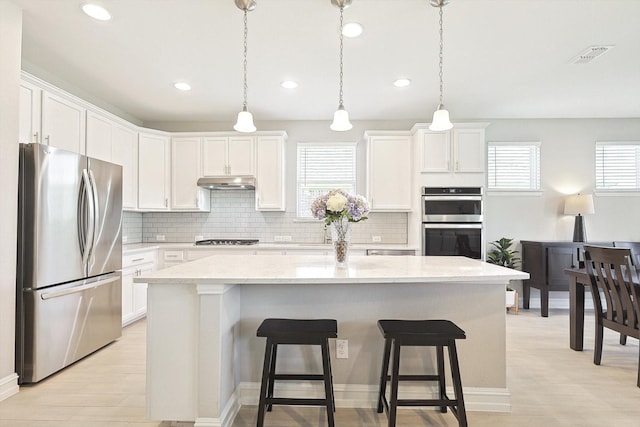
338	204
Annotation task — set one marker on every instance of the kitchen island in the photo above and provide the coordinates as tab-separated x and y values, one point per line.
204	360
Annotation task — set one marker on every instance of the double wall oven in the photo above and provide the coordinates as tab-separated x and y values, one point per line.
452	222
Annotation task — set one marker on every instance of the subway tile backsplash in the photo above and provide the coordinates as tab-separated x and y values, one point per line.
233	215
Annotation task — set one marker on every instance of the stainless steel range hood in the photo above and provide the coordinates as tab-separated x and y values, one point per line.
228	183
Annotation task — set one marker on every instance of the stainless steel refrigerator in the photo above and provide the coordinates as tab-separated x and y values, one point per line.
69	292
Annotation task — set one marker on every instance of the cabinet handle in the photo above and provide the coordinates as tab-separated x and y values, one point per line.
46	138
457	166
137	260
166	203
35	137
197	202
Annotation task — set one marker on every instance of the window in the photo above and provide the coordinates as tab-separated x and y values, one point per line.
618	166
513	166
323	167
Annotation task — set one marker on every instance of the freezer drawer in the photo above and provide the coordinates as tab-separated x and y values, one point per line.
62	324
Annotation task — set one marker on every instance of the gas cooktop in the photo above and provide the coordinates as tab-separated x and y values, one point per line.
226	242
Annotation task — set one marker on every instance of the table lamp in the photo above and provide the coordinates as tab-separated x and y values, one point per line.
578	205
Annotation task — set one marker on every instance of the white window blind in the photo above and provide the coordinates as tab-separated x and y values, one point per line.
323	167
618	166
513	166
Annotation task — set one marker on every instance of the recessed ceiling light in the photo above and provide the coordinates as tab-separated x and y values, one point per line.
182	86
352	29
402	83
289	84
96	12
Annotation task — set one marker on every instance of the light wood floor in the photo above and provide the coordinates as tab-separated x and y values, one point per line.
550	384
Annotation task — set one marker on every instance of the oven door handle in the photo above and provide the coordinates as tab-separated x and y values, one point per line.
450	198
445	225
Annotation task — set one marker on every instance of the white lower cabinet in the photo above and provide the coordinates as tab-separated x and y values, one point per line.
134	295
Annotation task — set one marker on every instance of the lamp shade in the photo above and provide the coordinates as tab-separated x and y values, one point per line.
579	204
245	122
341	120
440	119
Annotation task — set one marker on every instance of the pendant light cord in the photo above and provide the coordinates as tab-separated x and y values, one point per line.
246	32
441	56
341	46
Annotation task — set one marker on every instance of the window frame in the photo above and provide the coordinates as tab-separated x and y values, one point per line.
312	144
605	190
521	190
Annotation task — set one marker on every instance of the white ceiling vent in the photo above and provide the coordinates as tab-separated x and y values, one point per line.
591	53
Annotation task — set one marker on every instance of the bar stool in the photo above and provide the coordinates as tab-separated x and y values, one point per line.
301	332
421	333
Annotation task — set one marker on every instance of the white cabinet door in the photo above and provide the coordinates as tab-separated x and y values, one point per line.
185	171
99	136
223	155
270	174
214	156
389	173
127	295
436	151
240	155
30	102
63	123
124	151
469	150
140	293
153	172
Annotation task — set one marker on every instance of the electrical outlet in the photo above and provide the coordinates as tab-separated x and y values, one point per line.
124	239
199	237
277	238
286	238
159	237
342	349
376	238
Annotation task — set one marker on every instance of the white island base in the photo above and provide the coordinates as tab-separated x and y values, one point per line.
204	360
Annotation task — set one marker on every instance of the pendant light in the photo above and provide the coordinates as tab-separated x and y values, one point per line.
441	119
341	116
245	118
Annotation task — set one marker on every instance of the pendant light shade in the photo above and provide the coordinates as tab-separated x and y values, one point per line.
245	122
341	121
441	119
245	118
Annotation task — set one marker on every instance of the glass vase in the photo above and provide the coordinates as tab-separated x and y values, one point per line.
341	237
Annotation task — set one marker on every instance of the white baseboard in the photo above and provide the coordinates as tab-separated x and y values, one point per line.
8	386
227	417
366	396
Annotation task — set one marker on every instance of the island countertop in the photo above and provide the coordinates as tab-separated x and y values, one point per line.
304	269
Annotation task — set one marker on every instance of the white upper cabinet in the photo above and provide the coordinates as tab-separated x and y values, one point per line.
389	169
99	136
459	150
228	155
30	103
153	171
270	173
63	123
124	151
186	168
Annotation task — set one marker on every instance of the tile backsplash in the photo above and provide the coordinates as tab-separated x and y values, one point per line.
233	215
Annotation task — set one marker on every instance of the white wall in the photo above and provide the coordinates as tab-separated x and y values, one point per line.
567	158
10	46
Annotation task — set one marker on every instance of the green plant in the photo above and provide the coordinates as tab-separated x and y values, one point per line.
501	253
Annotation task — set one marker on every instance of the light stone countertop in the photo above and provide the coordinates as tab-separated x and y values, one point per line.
141	247
301	269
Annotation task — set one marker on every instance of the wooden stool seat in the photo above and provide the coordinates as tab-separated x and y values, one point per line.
301	332
421	333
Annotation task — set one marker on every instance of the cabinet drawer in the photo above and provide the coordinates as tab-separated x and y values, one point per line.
175	256
138	258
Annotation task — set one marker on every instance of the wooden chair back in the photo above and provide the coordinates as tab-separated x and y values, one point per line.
612	272
635	251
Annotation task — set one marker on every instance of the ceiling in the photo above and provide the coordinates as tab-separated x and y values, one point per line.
502	58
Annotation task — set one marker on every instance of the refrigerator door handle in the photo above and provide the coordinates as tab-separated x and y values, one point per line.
69	291
86	229
96	209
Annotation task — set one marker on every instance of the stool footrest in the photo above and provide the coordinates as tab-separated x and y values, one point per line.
427	402
416	378
295	401
294	377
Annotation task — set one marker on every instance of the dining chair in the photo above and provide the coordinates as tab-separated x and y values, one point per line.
612	272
